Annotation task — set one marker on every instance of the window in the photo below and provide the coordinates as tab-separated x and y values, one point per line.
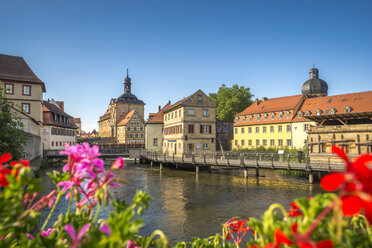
242	142
236	119
205	112
250	142
264	129
52	143
9	89
332	111
124	110
257	129
249	129
191	112
289	142
307	113
243	119
347	110
179	113
288	128
257	117
242	129
175	114
200	98
205	146
306	127
271	129
191	128
272	116
250	118
172	115
281	115
136	109
60	143
280	142
272	142
205	129
26	107
265	117
257	142
236	130
287	115
279	129
264	142
236	142
318	112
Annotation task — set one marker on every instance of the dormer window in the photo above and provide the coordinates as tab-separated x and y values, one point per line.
251	118
258	117
347	110
272	116
287	115
236	119
300	114
318	112
332	111
243	119
280	115
307	113
265	117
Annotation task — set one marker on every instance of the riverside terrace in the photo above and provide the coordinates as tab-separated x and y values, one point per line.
243	161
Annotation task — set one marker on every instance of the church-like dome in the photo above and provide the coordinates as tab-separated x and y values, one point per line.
128	97
315	86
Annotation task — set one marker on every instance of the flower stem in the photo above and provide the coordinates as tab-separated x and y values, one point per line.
97	212
69	204
51	211
319	218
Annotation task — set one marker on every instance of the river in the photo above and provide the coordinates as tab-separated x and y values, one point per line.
185	205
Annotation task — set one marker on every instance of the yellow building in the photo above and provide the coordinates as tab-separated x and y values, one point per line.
154	130
24	91
190	125
275	122
119	109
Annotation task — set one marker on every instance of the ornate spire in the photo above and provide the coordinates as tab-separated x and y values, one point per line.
127	83
127	73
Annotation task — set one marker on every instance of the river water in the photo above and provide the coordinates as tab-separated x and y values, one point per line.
186	205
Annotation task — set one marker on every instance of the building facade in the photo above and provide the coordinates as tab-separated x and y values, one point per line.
118	110
131	129
224	135
154	130
274	122
190	125
24	92
59	127
77	122
343	120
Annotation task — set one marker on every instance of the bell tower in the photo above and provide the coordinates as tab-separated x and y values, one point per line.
127	84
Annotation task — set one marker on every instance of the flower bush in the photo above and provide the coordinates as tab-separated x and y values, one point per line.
326	220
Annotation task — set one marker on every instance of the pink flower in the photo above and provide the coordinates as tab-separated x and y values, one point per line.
48	232
118	164
30	236
131	244
76	237
105	228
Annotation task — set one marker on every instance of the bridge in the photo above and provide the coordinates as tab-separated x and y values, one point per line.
244	162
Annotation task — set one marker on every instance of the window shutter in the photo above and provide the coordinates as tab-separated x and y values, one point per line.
201	128
210	128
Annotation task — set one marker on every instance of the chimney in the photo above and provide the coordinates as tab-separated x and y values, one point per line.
264	99
159	108
169	102
61	105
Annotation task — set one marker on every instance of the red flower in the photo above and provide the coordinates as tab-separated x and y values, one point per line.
295	210
236	230
355	184
5	171
302	240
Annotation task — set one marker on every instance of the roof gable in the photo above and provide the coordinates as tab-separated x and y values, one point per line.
159	116
15	68
192	100
128	117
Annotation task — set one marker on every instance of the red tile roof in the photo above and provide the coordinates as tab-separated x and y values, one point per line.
273	105
159	116
49	108
15	68
359	102
127	117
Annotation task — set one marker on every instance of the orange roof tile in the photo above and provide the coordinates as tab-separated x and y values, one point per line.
359	102
273	105
159	116
125	120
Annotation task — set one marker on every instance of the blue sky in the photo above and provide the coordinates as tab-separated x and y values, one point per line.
81	49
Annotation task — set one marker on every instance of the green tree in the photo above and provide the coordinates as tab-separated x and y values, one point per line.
231	100
12	136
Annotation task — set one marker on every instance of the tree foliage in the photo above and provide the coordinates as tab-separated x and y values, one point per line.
12	136
231	100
